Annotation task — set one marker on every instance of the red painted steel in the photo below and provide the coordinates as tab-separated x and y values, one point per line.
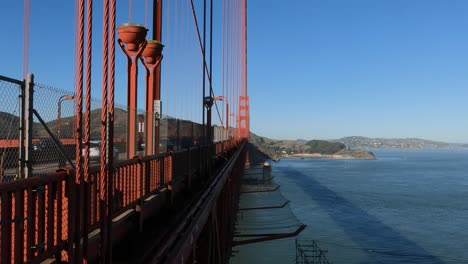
75	221
157	30
103	205
244	119
87	132
111	106
132	41
37	221
43	201
152	58
178	247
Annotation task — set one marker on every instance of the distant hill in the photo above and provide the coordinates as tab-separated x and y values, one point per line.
356	142
9	127
170	127
355	146
66	127
303	148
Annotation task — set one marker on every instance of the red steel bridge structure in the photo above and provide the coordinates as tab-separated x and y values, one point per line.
172	207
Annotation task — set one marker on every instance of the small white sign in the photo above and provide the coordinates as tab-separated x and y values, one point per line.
157	109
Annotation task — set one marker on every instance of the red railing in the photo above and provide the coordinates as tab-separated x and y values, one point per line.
34	214
34	218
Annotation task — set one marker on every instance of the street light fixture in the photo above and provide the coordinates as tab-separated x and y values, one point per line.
59	110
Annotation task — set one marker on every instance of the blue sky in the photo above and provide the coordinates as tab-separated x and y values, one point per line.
386	68
317	69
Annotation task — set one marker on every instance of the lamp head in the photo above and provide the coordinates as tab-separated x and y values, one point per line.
208	101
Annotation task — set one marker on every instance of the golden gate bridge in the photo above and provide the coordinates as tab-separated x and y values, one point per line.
90	183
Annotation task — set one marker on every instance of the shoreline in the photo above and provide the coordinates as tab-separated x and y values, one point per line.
328	156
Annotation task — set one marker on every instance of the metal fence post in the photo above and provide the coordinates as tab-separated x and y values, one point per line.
29	122
21	155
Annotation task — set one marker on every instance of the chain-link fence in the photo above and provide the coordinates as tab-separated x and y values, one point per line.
10	119
57	108
54	125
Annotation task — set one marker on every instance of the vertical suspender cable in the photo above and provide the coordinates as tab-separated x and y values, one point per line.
130	10
236	57
239	54
233	57
187	66
211	44
239	58
228	53
110	124
89	27
105	64
168	51
182	88
245	48
203	53
75	221
185	53
89	32
211	54
235	18
146	14
223	14
103	191
79	89
231	51
190	98
228	50
225	45
175	55
239	48
183	91
203	71
201	47
245	71
26	39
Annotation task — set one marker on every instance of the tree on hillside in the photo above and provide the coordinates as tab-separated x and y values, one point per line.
324	147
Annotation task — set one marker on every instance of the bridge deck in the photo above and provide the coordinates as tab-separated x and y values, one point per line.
38	221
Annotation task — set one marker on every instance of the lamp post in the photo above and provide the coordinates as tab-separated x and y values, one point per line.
152	58
132	41
223	98
208	103
59	110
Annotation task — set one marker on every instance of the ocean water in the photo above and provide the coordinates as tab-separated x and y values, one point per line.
404	207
